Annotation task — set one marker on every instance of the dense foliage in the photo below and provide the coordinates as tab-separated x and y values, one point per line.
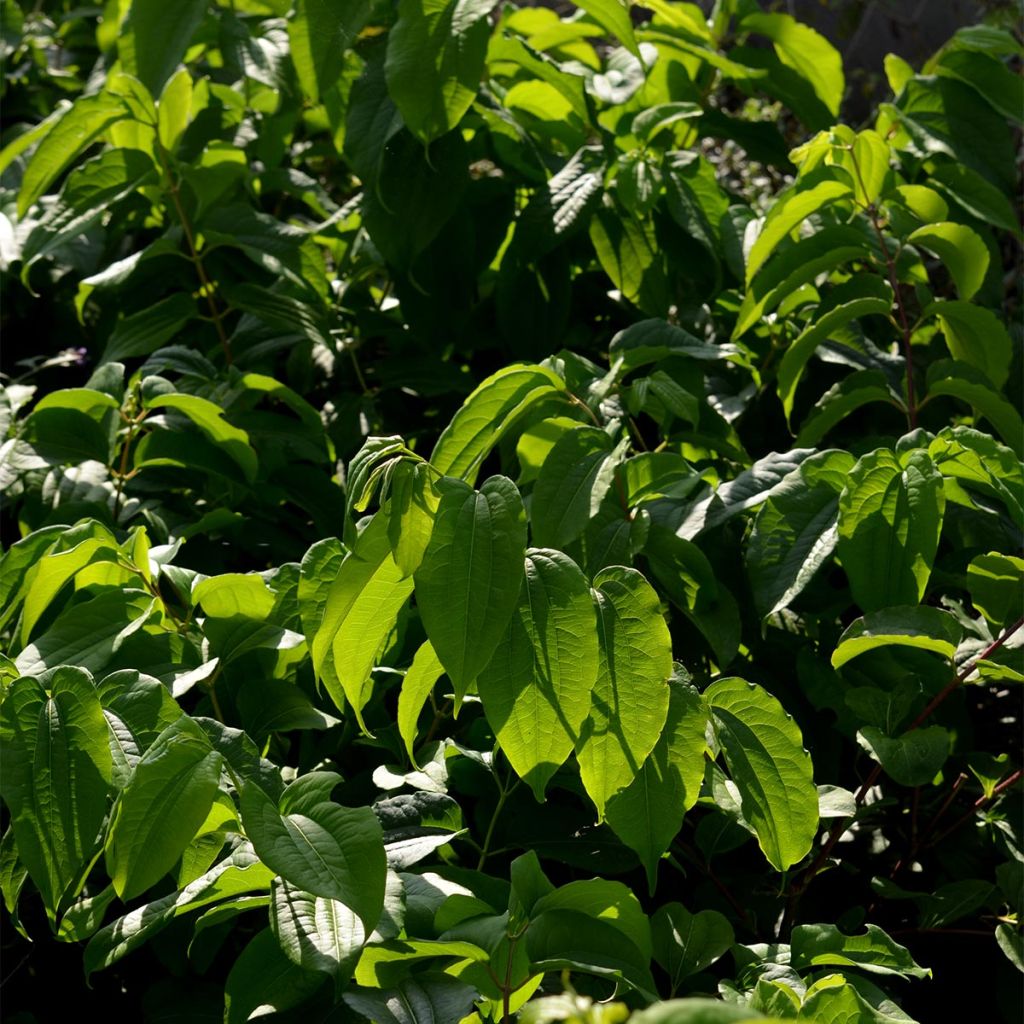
509	516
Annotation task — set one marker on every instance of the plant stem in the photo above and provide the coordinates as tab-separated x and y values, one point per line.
840	826
890	265
503	795
206	286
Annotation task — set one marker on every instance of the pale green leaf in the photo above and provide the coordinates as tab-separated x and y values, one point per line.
631	696
536	688
764	752
416	688
928	629
824	945
648	813
890	516
961	249
492	409
468	583
791	209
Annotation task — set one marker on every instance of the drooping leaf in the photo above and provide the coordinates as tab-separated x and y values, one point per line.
315	933
80	126
965	382
912	759
154	39
764	751
490	410
648	813
162	807
468	583
686	943
789	211
417	685
573	481
890	516
996	583
263	978
795	530
435	60
415	1001
320	31
631	696
974	335
826	946
56	771
961	249
929	629
861	296
318	846
536	689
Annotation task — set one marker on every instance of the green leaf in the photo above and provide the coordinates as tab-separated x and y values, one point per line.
791	209
864	295
824	945
416	688
56	770
976	195
154	38
315	933
89	191
317	573
799	264
1011	942
686	943
369	570
88	633
239	872
961	249
572	939
851	393
413	507
795	530
629	254
602	900
653	340
890	516
574	478
144	332
18	565
209	418
435	60
834	1000
811	55
764	752
162	807
929	629
648	813
698	1011
489	412
263	978
55	570
319	33
963	381
996	583
631	696
974	335
174	108
320	847
536	688
912	759
79	127
613	17
421	1000
234	593
468	584
361	611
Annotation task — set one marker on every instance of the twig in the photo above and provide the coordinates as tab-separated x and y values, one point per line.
840	826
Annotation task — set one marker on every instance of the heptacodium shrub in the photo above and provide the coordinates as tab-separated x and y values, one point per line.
510	516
